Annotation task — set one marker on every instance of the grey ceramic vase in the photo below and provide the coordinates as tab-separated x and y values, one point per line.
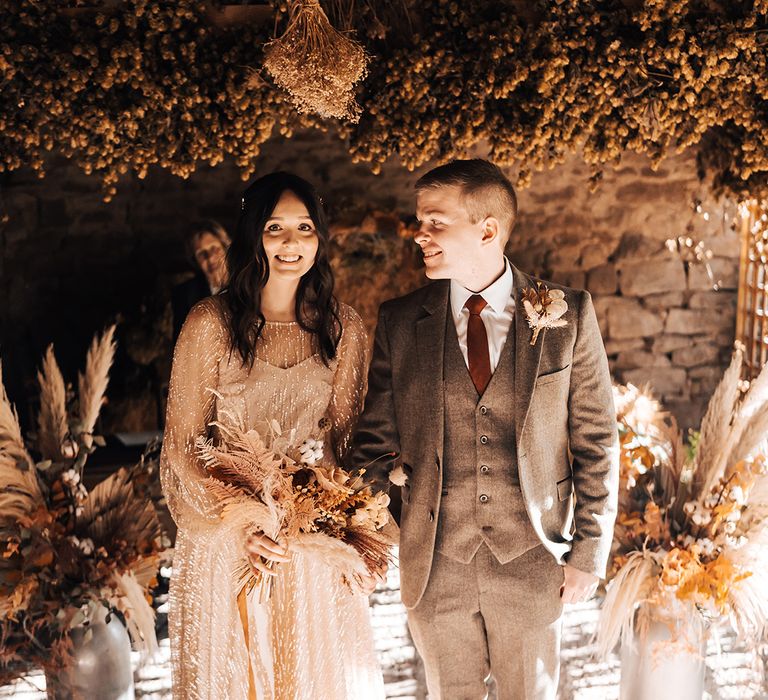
666	662
102	663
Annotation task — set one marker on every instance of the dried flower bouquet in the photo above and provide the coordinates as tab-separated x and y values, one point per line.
284	491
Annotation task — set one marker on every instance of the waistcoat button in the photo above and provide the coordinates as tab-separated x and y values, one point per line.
485	469
483	498
483	439
483	409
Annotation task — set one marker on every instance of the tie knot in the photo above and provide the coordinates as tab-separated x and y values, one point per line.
475	304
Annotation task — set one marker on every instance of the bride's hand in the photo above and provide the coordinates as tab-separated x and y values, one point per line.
263	549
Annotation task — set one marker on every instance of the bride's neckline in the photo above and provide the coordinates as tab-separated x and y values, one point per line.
282	323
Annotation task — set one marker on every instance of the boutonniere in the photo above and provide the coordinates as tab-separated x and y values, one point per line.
543	308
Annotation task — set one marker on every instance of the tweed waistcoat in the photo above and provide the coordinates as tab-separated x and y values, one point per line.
481	499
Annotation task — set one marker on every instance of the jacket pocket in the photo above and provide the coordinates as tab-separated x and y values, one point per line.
565	488
556	376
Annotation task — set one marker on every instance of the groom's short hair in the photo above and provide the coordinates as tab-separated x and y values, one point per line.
485	188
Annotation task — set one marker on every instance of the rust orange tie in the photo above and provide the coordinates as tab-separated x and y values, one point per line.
479	360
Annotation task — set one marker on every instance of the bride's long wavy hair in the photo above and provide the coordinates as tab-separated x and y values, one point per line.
317	309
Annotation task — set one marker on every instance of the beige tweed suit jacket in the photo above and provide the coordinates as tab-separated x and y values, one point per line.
565	427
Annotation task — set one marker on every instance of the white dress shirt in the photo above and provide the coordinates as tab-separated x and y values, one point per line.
496	316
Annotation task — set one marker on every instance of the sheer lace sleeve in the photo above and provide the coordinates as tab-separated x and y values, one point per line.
349	382
200	346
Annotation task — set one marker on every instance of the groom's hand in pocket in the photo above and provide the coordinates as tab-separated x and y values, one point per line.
578	585
263	549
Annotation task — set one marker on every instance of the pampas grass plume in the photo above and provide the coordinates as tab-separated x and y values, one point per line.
52	419
93	382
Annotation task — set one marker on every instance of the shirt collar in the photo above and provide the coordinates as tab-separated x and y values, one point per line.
496	295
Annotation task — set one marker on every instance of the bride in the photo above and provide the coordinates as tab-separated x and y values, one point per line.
276	345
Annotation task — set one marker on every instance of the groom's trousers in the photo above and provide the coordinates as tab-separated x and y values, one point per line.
487	618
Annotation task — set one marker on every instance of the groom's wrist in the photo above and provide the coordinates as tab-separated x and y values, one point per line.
587	560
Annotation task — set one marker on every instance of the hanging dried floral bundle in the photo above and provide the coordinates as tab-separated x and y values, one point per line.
317	65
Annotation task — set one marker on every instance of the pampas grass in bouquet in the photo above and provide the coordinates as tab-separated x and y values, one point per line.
316	64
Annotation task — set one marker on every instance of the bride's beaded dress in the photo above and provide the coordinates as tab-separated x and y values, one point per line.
312	640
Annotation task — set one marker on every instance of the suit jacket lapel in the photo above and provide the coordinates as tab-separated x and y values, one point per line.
430	346
527	356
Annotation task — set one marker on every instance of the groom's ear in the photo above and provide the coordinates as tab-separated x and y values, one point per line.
491	229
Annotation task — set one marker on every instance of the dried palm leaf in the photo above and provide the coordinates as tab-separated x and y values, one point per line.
709	462
52	419
642	413
112	511
93	382
630	588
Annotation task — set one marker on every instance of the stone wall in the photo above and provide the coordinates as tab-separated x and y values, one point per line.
662	321
71	263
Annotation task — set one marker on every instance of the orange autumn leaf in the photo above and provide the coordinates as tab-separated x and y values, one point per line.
654	524
11	548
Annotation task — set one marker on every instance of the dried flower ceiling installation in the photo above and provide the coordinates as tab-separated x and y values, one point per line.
124	86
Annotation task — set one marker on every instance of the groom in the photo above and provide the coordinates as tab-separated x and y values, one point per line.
506	448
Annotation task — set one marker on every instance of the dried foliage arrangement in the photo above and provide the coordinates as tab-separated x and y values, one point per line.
691	536
146	83
285	491
126	87
318	66
539	83
64	550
